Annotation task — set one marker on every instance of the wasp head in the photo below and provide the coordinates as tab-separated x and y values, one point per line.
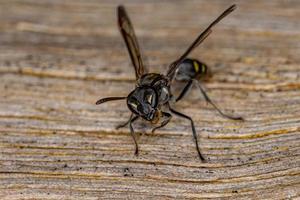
143	101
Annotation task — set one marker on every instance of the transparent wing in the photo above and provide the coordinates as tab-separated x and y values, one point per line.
174	65
130	39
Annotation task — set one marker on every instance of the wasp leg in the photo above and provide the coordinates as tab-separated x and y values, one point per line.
185	89
132	134
193	129
124	124
215	106
165	122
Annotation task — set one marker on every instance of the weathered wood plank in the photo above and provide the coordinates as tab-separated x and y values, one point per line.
58	57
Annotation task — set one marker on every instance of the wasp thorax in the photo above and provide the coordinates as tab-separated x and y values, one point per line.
143	102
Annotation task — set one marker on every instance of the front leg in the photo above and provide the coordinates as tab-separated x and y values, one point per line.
165	122
132	134
193	130
124	124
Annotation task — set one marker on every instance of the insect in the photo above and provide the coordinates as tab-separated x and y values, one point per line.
192	71
150	100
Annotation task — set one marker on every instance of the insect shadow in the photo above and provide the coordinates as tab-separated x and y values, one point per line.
150	100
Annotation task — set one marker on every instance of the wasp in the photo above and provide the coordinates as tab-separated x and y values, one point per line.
151	97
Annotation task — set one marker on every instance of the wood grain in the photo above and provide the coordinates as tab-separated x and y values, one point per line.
58	57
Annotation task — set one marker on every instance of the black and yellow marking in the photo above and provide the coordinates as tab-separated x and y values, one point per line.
196	66
199	69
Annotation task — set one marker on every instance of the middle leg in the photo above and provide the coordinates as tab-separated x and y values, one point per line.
185	90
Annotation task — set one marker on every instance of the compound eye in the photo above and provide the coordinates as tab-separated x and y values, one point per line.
134	104
150	98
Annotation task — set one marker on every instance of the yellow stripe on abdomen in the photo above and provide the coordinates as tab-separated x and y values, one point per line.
196	66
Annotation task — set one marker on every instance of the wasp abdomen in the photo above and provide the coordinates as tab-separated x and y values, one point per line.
190	69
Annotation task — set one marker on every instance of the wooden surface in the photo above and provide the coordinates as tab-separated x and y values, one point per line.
58	57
